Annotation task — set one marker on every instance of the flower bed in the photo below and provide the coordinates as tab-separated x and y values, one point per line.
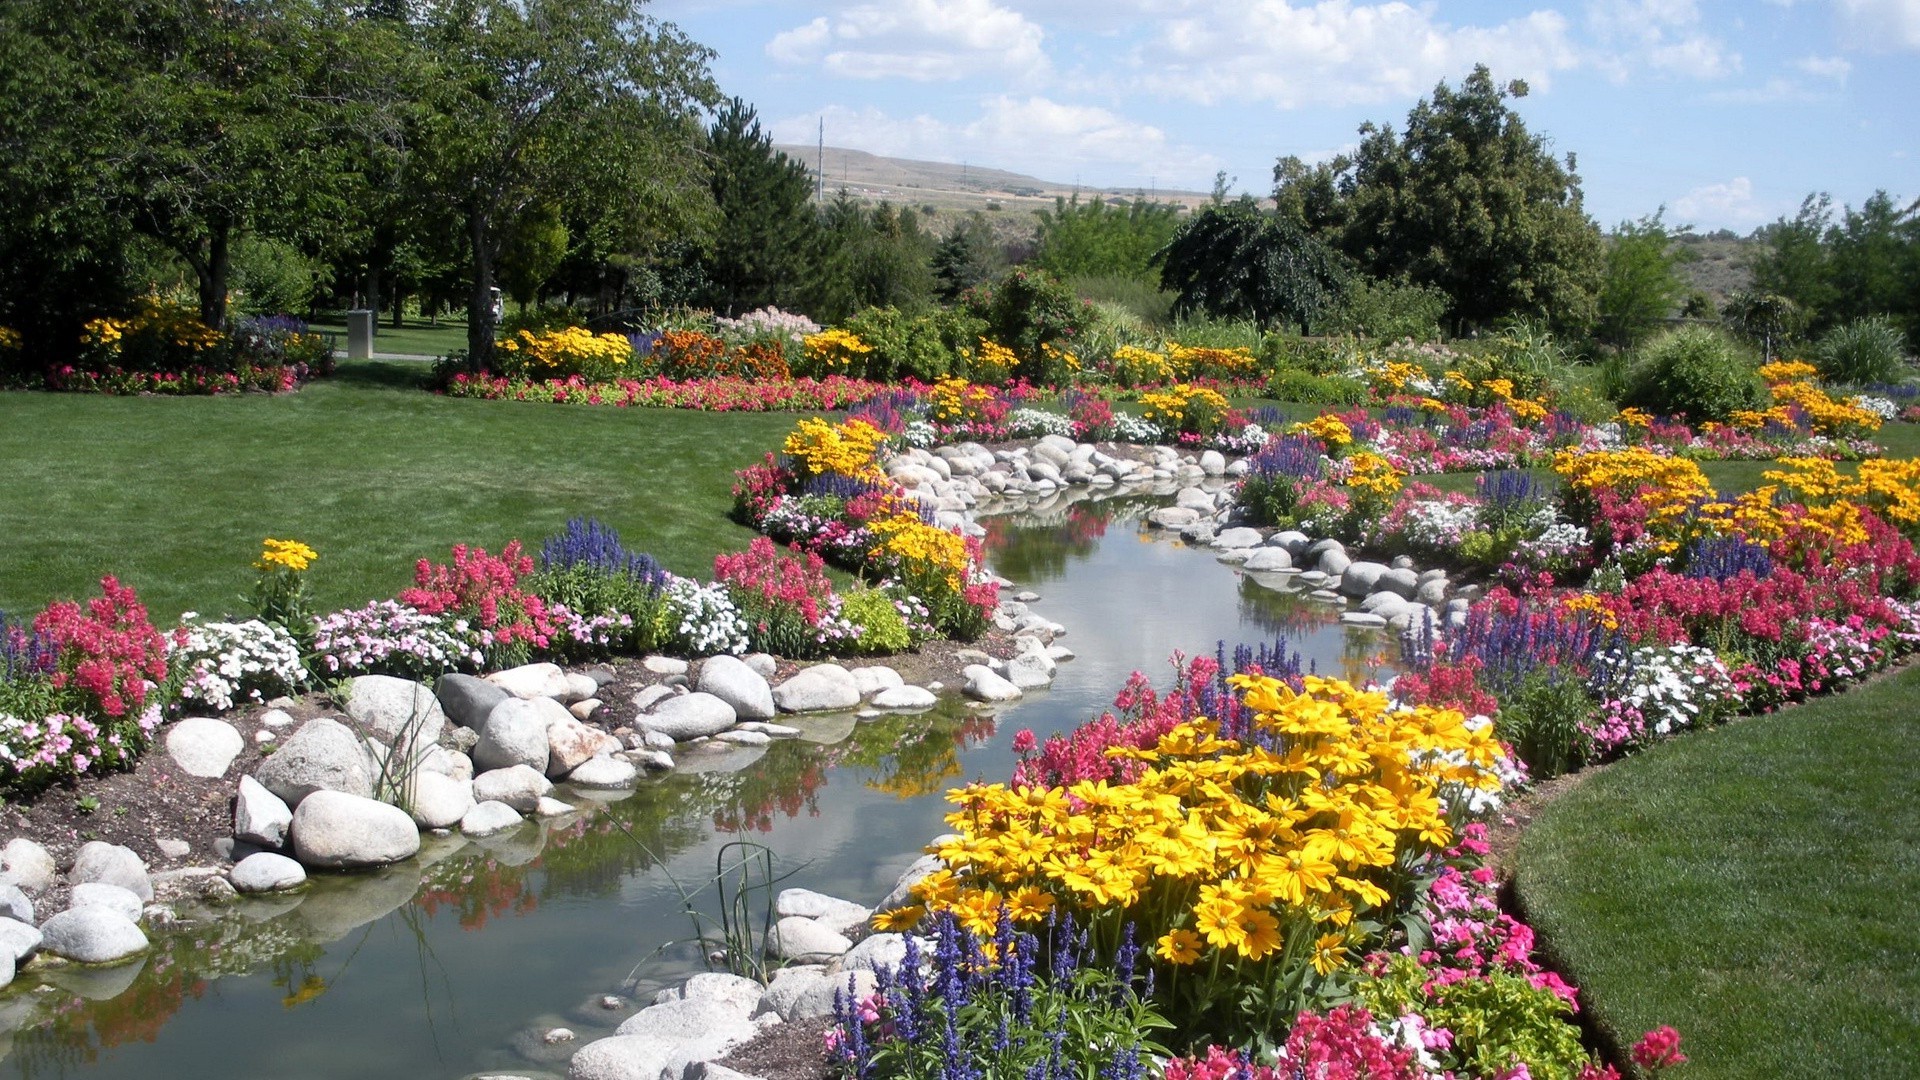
163	348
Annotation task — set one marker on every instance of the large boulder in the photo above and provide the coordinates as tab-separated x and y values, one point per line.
515	734
533	681
905	697
396	708
438	801
336	830
519	787
1030	670
1241	537
571	743
797	938
204	747
873	678
467	700
259	816
323	755
18	940
488	818
112	897
29	865
690	716
15	904
1268	559
264	871
732	681
111	864
92	935
820	688
1400	580
1359	578
622	1057
984	685
605	774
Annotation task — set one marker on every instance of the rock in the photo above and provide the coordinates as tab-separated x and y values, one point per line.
983	685
335	830
438	801
771	731
743	738
570	743
530	681
741	996
713	1070
1385	604
606	774
515	734
580	687
203	747
396	708
1173	517
1267	560
690	716
874	678
1361	619
15	905
323	755
905	697
266	872
488	818
714	1025
815	997
1295	541
741	687
820	688
549	807
1239	538
1360	578
1433	593
1402	562
172	848
830	911
879	951
519	787
664	665
655	740
763	664
1333	563
802	939
1030	671
467	700
113	865
1199	534
92	935
111	897
1193	498
259	816
28	864
447	762
622	1057
648	696
18	940
557	1035
902	892
584	709
652	760
1399	580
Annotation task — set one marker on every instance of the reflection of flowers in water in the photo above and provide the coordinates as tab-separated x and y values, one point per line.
921	763
478	890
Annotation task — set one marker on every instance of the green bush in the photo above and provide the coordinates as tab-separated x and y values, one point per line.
1144	301
883	630
1306	388
1386	311
271	277
924	347
1027	309
1319	356
1541	719
1862	352
1694	371
1203	332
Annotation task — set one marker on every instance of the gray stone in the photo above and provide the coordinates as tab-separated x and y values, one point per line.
266	872
172	847
1401	562
28	864
515	734
1199	533
820	688
763	664
277	718
1321	547
1360	578
438	801
830	910
530	681
1173	517
488	818
14	904
467	700
1295	541
1233	556
816	997
18	940
323	755
92	935
738	994
741	687
586	707
519	787
665	665
799	938
647	697
1213	463
873	678
579	687
906	697
1362	619
203	747
259	816
1268	560
1333	563
690	716
743	738
713	1070
1432	593
983	685
1030	671
396	708
902	892
1401	580
682	1019
606	774
652	760
111	897
771	731
622	1057
335	830
657	740
549	807
1241	537
447	762
1193	498
571	743
888	951
113	865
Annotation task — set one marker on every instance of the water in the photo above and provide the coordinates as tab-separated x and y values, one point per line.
455	963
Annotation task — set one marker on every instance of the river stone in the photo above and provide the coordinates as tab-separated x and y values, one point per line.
1197	499
323	755
738	994
816	997
1361	619
1295	541
335	830
28	864
488	818
1173	517
112	864
519	787
763	664
1399	580
18	940
438	801
396	707
530	681
771	731
1385	604
112	897
690	716
1199	533
1030	671
14	904
820	688
515	734
1242	537
799	938
829	910
984	685
905	697
447	762
204	747
466	700
570	743
880	951
259	816
622	1057
665	665
1333	563
1433	592
1268	559
681	1020
1213	463
647	697
732	681
605	774
265	871
743	738
874	678
1359	578
92	935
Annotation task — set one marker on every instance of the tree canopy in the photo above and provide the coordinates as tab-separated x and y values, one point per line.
1231	261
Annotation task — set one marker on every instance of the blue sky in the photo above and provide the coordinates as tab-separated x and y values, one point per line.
1727	114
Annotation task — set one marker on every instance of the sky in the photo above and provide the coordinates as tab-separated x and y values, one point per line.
1726	114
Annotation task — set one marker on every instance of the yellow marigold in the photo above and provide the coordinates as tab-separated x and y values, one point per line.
1638	418
10	339
285	555
834	349
1326	427
1373	475
993	362
1592	604
847	449
1786	371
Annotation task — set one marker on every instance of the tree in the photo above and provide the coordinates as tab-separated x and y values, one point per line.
1467	201
766	235
873	257
1233	262
1767	318
1093	239
1871	257
1793	262
967	256
1642	284
586	104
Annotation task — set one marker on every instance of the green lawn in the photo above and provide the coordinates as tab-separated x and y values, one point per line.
416	337
1756	886
175	494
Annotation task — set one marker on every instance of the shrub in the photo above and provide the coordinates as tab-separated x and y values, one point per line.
1385	310
558	354
907	346
877	620
1306	388
1543	720
1863	352
1026	310
485	590
587	572
700	618
1694	371
785	599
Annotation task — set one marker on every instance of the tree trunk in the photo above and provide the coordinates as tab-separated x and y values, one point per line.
373	293
398	301
212	272
480	301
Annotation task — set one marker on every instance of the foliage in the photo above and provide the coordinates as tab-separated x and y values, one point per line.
1862	352
766	231
588	573
1293	384
785	599
1694	372
1027	311
1232	262
968	255
701	619
227	663
875	256
559	354
1096	239
924	347
1385	310
1642	283
486	592
386	637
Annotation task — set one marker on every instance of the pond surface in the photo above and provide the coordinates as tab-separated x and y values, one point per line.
454	963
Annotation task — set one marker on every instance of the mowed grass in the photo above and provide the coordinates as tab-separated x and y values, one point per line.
1756	886
415	337
174	495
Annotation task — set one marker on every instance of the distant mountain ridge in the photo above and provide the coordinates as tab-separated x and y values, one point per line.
907	180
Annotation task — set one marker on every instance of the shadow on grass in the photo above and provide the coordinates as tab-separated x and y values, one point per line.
384	375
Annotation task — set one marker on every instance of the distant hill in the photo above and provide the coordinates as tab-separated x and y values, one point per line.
946	186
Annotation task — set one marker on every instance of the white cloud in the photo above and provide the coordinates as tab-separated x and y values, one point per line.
920	40
1825	67
1663	35
1047	139
1777	90
1881	25
1730	205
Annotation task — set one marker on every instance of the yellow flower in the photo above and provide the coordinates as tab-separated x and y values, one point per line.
1329	953
1259	934
285	555
1179	946
899	919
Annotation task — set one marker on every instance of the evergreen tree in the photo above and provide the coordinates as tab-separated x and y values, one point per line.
766	236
